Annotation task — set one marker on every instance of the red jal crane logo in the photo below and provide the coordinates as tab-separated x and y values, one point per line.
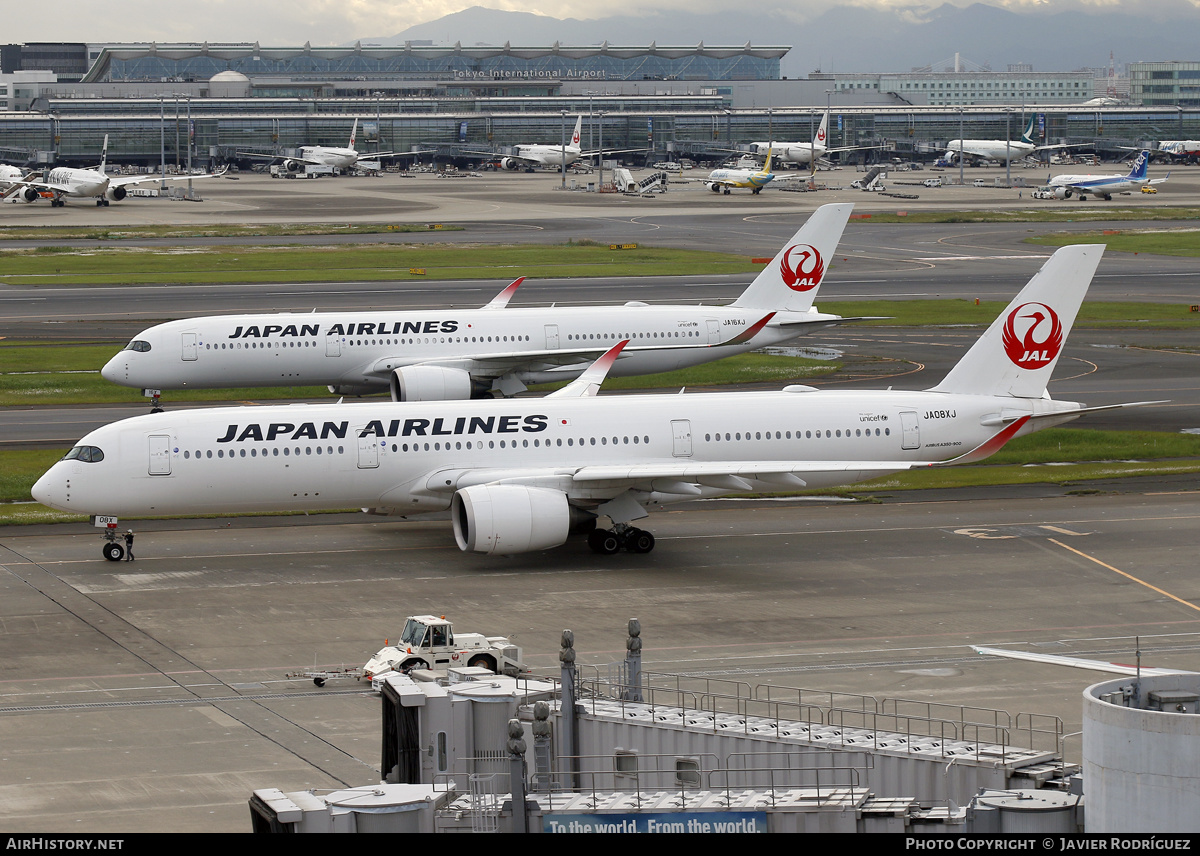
1041	338
801	267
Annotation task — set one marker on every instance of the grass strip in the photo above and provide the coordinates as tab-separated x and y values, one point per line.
351	263
1174	242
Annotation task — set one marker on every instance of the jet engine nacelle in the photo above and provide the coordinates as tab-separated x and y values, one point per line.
293	165
115	194
30	194
1062	193
508	519
430	383
511	164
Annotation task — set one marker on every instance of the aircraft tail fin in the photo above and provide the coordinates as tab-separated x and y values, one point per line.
821	139
353	134
1027	137
1140	165
790	282
103	155
577	134
767	166
1017	354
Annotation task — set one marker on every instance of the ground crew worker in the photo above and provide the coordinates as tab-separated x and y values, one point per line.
129	546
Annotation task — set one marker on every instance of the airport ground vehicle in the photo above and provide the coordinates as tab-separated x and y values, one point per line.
429	642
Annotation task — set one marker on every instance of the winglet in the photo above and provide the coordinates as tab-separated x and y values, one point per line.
588	383
501	299
749	333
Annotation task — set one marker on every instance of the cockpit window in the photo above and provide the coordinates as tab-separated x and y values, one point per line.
87	454
138	345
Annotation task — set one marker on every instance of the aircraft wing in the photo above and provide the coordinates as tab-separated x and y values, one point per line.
265	156
566	360
592	485
129	180
1077	662
43	185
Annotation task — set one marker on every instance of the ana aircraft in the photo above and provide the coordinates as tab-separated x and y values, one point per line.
334	156
518	475
451	354
724	180
1104	186
64	182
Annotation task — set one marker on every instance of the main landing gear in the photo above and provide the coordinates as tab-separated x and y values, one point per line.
606	542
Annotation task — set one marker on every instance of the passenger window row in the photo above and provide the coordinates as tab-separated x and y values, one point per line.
526	443
253	452
808	434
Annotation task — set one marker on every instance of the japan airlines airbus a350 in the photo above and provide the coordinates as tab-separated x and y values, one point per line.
451	354
518	475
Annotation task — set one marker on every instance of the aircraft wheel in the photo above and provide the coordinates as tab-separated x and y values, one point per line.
639	541
604	542
113	552
727	191
756	190
482	662
408	665
320	682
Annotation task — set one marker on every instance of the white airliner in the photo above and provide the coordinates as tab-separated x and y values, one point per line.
518	475
334	156
1104	186
803	153
1000	150
724	180
464	353
532	155
9	174
64	182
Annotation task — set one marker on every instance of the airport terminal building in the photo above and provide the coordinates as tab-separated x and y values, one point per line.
700	100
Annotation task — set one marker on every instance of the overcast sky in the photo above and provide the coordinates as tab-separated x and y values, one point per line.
329	22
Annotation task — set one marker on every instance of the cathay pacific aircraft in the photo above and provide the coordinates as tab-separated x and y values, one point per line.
521	474
464	353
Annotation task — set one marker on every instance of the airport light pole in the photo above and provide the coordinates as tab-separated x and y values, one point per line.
1008	146
563	128
960	146
162	143
600	155
190	133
